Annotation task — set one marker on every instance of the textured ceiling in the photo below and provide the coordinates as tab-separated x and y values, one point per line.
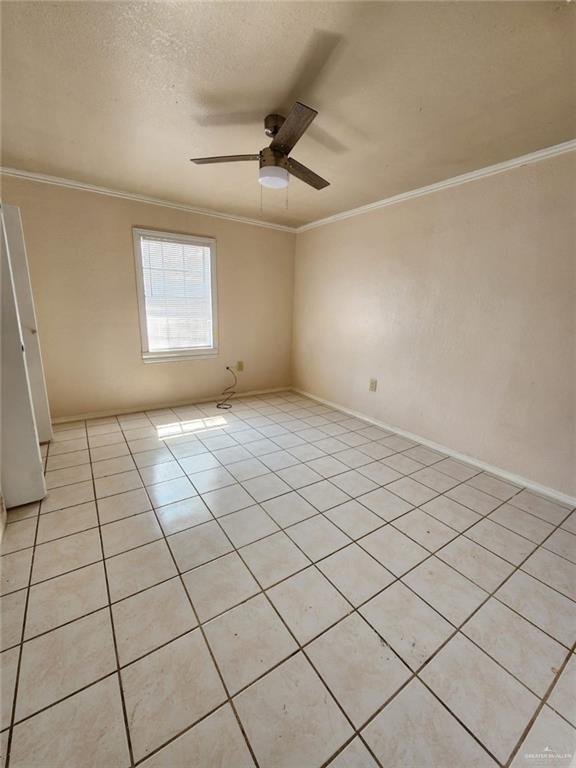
122	94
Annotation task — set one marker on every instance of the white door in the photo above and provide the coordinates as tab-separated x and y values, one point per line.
27	315
22	475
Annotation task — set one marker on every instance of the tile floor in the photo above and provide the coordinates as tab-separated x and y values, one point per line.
285	586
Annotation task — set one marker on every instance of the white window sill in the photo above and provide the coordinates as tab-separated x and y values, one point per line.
179	356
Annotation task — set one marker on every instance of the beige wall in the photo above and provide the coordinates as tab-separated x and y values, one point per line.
462	304
83	279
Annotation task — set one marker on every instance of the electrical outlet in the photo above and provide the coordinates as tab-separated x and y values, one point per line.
240	365
372	385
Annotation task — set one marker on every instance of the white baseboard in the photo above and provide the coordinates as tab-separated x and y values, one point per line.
158	406
525	482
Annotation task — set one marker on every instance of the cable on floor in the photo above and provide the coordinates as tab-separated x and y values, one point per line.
228	393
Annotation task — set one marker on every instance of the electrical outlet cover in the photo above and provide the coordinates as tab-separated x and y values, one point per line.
373	385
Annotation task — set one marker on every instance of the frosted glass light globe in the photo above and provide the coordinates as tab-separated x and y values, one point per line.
273	176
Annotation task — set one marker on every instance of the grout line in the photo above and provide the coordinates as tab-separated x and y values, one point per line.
65	624
112	626
62	699
553	686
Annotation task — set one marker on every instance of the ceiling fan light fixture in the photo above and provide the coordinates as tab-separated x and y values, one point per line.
273	177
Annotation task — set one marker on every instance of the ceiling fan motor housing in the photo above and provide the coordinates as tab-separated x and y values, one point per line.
270	156
272	124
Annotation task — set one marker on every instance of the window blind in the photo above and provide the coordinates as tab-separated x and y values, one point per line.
177	287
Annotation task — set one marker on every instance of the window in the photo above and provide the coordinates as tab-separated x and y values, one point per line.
176	276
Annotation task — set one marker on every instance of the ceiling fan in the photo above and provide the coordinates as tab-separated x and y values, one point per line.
275	165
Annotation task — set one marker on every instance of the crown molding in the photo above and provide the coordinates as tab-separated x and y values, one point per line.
71	184
490	170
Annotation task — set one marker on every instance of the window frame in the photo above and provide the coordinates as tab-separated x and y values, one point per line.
173	355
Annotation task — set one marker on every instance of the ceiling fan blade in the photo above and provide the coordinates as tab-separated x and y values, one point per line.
299	118
223	159
306	175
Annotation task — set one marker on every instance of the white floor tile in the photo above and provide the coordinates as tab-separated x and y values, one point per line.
290	718
89	723
215	741
63	522
248	525
521	648
308	603
563	697
79	654
416	730
451	594
129	533
317	537
324	495
550	736
355	755
360	670
64	598
425	529
170	690
247	641
219	585
265	487
476	563
198	511
66	554
354	519
544	607
151	618
274	558
183	514
138	569
407	623
489	701
357	575
386	505
552	570
289	508
223	501
393	549
196	546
